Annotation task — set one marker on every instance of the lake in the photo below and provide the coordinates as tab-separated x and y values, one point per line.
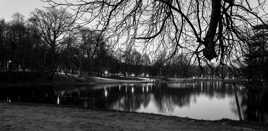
207	100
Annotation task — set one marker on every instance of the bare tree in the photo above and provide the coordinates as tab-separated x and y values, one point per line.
53	25
205	28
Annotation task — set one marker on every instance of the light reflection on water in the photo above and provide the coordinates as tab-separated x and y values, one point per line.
209	100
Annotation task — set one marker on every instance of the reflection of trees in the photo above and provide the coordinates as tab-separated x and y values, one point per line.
236	102
185	93
107	97
31	94
131	98
128	98
167	98
248	103
254	107
132	102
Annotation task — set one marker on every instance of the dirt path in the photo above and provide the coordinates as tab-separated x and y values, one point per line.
35	118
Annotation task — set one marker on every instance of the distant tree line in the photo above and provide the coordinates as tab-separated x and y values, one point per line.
49	42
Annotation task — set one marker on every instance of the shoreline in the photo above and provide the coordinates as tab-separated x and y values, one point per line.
89	83
31	116
65	83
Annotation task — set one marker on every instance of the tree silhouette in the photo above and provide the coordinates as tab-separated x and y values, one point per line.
257	56
206	28
53	24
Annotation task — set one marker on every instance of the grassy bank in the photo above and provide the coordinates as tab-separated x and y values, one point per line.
43	117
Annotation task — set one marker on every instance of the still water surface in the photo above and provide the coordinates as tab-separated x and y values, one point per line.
209	100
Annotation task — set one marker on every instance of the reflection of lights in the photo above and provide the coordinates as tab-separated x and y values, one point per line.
58	100
147	89
142	89
132	90
119	87
8	100
105	93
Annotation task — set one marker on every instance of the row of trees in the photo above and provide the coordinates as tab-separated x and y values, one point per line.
49	42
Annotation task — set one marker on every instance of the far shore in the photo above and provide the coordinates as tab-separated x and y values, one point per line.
64	83
100	80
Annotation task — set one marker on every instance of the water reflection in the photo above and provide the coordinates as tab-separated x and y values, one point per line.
210	100
254	103
58	100
40	94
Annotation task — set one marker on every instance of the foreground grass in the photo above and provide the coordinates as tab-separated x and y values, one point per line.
31	118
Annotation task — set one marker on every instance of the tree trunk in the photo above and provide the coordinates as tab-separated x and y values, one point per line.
209	41
52	67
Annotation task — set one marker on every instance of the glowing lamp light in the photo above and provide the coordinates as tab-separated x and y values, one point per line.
132	90
106	72
105	93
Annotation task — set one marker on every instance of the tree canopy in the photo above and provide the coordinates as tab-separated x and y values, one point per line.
206	29
257	53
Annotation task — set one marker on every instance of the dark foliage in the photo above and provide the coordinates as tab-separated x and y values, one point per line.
257	56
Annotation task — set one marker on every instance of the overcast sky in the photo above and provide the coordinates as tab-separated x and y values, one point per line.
9	7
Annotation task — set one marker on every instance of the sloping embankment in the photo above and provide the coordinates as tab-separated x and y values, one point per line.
48	118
